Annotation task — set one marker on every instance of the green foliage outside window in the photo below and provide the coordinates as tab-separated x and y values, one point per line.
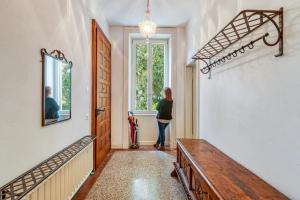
158	73
157	50
141	77
66	87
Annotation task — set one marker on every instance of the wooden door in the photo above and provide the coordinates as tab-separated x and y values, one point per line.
101	94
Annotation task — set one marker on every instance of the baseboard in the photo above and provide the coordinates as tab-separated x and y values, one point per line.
117	146
143	143
146	143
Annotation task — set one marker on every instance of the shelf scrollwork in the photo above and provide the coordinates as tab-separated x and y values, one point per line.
234	31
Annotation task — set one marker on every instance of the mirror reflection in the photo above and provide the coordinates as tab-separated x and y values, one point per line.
57	90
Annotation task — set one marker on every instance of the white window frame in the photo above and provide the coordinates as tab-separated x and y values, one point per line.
136	41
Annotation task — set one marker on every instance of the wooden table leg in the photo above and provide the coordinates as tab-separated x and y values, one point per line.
174	174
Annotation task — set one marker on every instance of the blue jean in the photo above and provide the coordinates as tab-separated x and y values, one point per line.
161	133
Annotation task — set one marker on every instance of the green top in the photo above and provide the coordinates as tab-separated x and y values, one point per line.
164	108
51	108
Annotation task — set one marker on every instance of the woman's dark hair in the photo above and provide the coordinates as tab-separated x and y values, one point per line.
47	91
168	93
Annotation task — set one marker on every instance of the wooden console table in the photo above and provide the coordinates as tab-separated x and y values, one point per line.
208	174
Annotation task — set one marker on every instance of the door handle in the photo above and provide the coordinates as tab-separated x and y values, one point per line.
99	111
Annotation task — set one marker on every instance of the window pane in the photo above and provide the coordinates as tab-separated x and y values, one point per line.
158	61
141	77
66	87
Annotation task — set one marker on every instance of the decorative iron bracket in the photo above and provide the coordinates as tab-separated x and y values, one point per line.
56	54
246	22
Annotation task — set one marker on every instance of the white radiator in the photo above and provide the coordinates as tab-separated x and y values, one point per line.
66	181
57	178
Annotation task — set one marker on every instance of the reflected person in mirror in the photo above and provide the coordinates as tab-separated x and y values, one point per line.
51	107
164	117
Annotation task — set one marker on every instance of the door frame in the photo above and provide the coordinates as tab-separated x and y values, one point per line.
95	26
189	102
194	77
196	100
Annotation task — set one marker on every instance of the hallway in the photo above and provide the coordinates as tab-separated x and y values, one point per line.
149	100
137	175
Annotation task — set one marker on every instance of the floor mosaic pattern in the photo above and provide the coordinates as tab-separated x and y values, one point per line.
137	175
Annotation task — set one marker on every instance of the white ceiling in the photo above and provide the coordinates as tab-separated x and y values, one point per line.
166	13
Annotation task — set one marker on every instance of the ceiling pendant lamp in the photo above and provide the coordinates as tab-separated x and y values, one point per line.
147	27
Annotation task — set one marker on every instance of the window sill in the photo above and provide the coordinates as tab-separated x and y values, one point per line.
145	113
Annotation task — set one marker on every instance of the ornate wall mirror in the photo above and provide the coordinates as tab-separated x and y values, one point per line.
56	87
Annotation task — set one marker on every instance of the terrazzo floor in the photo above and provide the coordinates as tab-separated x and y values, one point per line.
137	175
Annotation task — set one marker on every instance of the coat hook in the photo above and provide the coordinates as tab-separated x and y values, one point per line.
234	54
209	75
228	56
242	49
251	45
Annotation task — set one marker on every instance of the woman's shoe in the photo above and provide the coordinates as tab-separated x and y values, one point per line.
156	146
161	148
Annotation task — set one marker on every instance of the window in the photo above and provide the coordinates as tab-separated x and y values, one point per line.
59	79
149	74
65	96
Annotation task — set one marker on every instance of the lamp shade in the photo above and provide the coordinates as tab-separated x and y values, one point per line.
147	28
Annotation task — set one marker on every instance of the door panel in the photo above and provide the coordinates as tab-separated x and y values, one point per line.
101	100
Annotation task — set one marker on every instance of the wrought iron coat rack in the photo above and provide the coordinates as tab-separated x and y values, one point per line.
239	27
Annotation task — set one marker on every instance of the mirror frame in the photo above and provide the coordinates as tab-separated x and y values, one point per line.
58	55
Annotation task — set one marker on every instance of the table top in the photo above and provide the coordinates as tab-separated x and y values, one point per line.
226	177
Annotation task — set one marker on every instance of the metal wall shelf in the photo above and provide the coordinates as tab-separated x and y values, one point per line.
246	22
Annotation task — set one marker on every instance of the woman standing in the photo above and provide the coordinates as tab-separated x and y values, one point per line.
164	117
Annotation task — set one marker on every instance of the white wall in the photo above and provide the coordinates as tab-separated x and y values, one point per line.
26	27
120	87
250	109
148	129
179	83
94	10
117	88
